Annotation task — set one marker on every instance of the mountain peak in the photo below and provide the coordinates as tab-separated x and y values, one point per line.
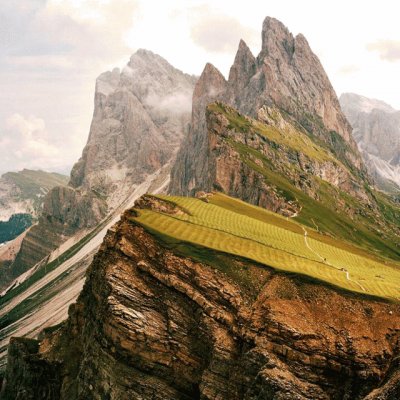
243	66
211	82
363	104
276	38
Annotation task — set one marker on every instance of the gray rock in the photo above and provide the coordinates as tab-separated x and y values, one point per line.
286	74
377	133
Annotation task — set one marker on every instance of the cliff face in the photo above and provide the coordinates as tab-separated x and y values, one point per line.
377	133
238	154
286	74
154	324
140	117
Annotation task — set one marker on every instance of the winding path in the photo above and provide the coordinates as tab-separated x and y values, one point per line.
324	260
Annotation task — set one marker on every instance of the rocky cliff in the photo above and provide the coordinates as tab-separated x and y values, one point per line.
140	116
376	129
153	323
244	154
287	74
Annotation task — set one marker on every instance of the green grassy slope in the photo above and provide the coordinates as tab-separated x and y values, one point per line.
33	183
332	211
230	226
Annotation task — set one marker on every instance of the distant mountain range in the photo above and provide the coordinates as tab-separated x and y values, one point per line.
377	132
21	199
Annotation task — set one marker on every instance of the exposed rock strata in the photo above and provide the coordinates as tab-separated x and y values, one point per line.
152	324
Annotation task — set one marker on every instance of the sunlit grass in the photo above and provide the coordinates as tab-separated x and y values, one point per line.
231	226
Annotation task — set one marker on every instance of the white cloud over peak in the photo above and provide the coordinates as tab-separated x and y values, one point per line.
388	50
217	32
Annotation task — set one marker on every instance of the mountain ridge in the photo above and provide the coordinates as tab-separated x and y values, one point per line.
377	132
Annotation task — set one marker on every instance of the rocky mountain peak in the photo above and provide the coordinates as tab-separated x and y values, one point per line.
244	66
376	129
286	74
210	83
353	103
277	41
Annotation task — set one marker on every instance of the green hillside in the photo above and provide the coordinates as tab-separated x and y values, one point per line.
33	183
231	226
373	225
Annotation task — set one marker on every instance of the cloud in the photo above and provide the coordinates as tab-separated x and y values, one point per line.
51	52
349	69
216	32
388	50
179	102
84	31
26	143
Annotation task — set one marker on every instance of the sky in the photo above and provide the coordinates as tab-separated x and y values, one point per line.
51	52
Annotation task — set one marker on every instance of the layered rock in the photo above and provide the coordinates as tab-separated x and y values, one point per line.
140	117
286	74
154	324
376	129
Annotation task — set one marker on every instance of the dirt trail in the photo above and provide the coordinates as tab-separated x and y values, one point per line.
324	260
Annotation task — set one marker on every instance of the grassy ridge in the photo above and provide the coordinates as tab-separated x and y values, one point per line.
352	222
228	225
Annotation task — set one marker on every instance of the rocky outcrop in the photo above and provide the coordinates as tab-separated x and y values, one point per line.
140	116
240	173
377	133
190	168
286	74
154	324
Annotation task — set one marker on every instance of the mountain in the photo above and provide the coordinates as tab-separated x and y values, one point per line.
21	199
377	133
23	192
182	302
140	116
207	295
286	74
266	136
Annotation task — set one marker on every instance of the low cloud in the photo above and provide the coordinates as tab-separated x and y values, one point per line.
178	102
388	50
218	33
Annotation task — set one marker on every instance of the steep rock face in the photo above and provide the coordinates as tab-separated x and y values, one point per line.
140	117
286	74
153	324
377	133
305	85
239	175
190	168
